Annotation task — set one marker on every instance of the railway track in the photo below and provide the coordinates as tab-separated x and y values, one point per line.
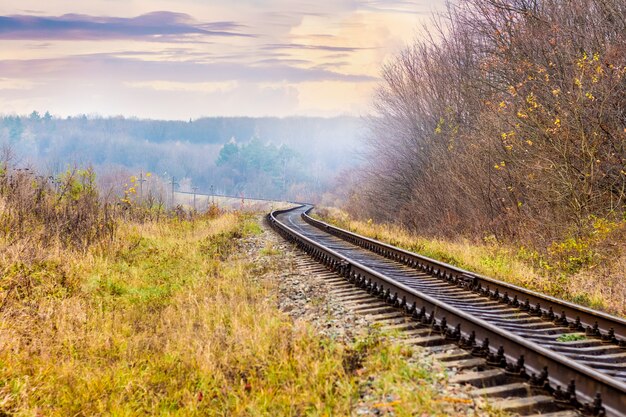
515	336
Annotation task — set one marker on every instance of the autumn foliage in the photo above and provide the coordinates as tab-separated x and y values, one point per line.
509	118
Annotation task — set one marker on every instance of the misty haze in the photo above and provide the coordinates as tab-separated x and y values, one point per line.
313	208
294	158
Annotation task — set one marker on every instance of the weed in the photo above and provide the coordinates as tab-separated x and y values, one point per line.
270	250
251	228
571	337
581	299
220	245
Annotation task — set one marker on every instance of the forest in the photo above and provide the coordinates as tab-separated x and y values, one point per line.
291	158
508	119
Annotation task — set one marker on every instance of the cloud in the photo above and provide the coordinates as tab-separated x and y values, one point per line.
254	57
128	69
330	65
397	6
16	84
279	46
206	87
169	103
336	56
274	61
156	25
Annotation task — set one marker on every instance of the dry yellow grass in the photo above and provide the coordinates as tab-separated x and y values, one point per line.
169	319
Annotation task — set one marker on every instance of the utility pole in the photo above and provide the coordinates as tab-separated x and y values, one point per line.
141	180
212	196
284	178
194	197
174	184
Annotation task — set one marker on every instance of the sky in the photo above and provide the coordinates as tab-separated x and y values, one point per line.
182	59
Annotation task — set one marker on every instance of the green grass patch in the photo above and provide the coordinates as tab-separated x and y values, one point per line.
172	320
251	227
571	337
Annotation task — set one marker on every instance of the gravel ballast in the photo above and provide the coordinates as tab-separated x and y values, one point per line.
307	293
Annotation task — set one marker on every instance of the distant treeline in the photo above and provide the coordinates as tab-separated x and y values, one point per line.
510	118
313	150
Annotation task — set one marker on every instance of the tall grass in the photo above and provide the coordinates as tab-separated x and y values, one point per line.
169	316
587	270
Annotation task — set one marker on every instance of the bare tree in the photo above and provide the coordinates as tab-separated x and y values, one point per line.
509	118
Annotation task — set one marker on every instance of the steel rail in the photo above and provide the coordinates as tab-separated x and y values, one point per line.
595	323
518	355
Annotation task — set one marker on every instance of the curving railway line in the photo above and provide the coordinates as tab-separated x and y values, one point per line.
574	354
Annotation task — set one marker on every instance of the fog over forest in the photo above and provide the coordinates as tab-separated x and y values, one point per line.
294	158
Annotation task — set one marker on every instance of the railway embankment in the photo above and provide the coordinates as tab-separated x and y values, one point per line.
588	270
194	315
539	353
